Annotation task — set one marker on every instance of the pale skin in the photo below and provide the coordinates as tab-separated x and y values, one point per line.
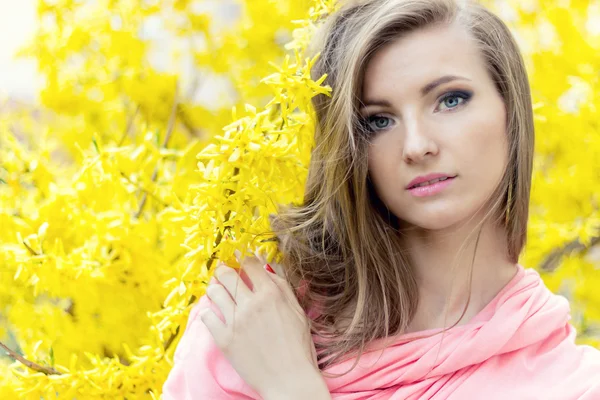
457	127
265	335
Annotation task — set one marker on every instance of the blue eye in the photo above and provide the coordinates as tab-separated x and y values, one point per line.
376	123
454	99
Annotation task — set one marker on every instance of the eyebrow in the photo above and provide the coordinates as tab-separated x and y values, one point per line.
424	90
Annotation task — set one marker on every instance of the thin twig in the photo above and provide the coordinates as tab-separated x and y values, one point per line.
143	189
170	339
186	121
170	127
32	251
552	261
209	262
196	84
29	364
127	130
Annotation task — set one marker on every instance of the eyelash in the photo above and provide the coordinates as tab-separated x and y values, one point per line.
466	96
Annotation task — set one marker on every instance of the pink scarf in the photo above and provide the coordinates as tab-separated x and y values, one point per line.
520	346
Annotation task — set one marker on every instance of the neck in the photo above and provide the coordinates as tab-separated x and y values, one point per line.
443	275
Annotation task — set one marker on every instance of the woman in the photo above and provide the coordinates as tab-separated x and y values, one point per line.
407	244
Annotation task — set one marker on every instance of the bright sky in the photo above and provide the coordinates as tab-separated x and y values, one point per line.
18	78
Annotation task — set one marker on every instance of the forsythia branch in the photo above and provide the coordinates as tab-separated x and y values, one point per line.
212	258
170	127
143	189
29	364
187	122
129	127
32	251
551	262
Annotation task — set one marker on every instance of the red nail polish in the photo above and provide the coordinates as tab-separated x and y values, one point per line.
268	268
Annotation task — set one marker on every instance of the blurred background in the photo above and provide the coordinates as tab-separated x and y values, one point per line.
18	78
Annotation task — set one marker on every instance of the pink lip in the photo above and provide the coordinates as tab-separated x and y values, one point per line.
429	190
428	177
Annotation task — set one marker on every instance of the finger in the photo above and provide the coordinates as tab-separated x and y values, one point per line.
219	296
258	275
288	292
215	326
278	268
238	255
231	280
258	255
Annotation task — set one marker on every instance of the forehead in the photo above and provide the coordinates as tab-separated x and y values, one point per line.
422	56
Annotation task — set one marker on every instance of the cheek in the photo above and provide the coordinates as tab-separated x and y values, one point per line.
488	144
378	162
494	136
383	164
372	166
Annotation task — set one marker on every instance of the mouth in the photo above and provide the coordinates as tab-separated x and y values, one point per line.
431	182
432	187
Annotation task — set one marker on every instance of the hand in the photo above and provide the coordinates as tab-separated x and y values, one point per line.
265	335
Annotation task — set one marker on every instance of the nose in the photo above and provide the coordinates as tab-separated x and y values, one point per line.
418	143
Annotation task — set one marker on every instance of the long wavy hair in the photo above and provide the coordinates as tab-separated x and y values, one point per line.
342	245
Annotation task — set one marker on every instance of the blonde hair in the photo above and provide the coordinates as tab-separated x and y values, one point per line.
342	242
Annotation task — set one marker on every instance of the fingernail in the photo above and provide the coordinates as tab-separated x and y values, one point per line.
268	268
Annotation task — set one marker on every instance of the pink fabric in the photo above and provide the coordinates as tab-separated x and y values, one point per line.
520	346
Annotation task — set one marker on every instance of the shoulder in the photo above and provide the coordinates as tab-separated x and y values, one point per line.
584	375
564	369
556	368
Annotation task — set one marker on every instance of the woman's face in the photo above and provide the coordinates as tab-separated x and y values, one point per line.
431	107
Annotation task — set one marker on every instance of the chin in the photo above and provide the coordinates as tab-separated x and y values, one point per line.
434	225
433	221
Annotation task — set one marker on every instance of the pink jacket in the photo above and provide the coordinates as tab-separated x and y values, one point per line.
520	346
